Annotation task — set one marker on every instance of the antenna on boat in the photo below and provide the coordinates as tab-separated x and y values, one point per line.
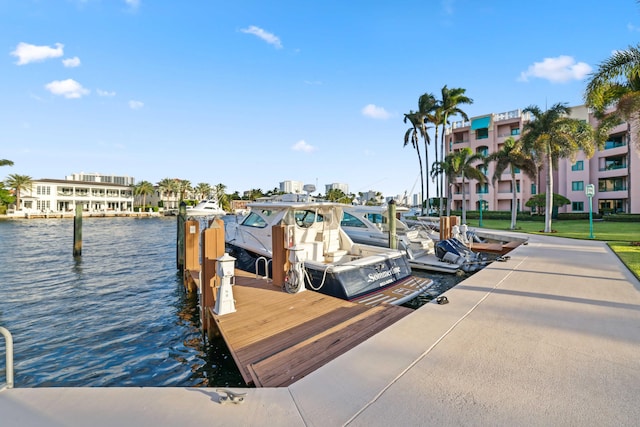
309	188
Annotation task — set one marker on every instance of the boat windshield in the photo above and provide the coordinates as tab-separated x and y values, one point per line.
254	220
306	218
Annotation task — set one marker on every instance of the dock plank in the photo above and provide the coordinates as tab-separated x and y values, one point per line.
287	366
295	327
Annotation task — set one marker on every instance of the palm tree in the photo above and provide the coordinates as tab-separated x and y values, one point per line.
462	164
511	156
203	190
445	168
184	186
449	106
144	189
167	187
5	162
616	84
412	135
18	183
552	135
220	194
427	105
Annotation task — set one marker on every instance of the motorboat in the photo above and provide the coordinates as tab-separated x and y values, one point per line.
322	255
206	208
370	225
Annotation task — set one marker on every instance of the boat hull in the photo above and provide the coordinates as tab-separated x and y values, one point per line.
350	282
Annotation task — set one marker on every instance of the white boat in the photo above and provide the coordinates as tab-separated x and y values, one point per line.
370	225
323	257
206	208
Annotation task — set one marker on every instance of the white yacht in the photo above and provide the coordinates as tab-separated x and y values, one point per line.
323	256
206	208
370	225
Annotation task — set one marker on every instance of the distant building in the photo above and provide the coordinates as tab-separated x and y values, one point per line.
293	187
97	177
337	186
59	196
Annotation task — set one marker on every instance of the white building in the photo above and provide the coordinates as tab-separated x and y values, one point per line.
59	196
291	187
337	186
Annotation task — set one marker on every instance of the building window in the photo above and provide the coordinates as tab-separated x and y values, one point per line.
533	189
612	184
615	142
577	186
577	206
482	133
482	188
577	166
483	150
515	131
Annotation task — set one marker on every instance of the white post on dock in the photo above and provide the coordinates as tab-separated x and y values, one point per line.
225	303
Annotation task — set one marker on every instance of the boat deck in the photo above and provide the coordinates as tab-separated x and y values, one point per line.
277	338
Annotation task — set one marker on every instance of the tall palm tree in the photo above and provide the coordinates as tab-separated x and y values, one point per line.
616	83
512	157
463	164
412	136
144	189
445	168
552	135
450	106
5	162
18	183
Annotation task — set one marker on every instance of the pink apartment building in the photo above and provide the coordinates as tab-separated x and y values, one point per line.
614	171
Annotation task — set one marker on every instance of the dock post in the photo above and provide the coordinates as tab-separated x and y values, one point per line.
191	253
182	215
279	260
77	231
212	249
393	238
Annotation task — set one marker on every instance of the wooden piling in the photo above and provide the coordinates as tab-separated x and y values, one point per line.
280	258
445	227
212	249
77	231
191	254
182	216
393	238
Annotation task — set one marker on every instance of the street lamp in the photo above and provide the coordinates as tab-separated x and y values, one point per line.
480	203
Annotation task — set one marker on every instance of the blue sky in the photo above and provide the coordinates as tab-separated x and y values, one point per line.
252	93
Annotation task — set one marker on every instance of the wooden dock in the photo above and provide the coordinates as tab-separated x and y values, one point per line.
276	338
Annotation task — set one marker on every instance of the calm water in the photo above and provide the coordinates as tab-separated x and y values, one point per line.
117	316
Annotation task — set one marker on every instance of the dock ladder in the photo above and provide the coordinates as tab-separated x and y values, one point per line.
9	349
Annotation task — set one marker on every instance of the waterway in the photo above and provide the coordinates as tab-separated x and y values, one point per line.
117	316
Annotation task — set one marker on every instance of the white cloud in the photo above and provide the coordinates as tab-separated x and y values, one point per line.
101	92
134	4
375	112
264	35
68	88
27	53
303	146
135	105
71	62
557	70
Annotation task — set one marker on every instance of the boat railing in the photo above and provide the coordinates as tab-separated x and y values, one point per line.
266	267
9	357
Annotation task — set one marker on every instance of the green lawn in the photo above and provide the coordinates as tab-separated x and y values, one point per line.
619	235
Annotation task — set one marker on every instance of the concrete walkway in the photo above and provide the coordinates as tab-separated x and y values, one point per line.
550	337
